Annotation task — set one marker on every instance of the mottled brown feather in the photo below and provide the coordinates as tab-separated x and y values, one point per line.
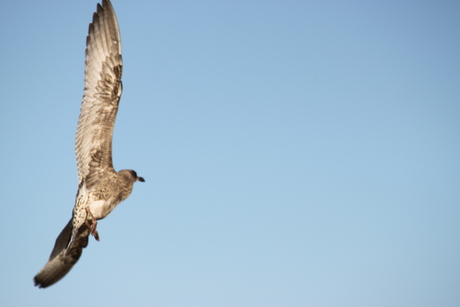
100	188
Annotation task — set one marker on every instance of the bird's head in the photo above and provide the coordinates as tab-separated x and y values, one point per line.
131	175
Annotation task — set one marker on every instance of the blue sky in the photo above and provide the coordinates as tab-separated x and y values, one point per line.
296	153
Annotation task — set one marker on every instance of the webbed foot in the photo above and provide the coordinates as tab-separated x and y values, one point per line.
92	224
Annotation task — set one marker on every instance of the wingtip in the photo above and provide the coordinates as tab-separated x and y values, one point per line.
38	284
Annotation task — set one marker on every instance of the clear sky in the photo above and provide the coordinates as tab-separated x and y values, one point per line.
296	153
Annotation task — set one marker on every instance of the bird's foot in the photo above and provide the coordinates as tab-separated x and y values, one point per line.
92	224
95	234
92	228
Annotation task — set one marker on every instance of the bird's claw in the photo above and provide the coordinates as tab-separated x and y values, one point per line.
92	224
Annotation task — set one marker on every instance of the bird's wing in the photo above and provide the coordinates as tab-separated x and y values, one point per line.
60	262
103	87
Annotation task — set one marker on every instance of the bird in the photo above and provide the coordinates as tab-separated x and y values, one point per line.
100	187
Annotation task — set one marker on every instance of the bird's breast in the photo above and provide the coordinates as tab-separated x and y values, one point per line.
99	209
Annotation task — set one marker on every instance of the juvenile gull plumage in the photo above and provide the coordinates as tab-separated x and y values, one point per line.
100	187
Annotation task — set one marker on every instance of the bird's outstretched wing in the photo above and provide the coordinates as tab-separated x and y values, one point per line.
103	87
60	262
93	145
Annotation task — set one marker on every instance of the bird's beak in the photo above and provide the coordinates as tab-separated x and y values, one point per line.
140	179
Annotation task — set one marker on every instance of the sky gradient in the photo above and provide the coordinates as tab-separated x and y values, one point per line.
296	153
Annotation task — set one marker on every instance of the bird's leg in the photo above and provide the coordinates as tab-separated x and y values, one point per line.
92	225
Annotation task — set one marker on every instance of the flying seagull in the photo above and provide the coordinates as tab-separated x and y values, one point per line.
100	187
